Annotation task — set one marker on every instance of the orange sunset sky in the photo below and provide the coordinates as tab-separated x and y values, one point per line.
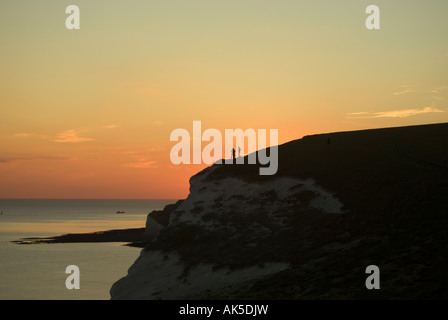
88	113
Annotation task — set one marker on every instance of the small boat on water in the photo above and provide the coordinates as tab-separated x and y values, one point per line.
121	212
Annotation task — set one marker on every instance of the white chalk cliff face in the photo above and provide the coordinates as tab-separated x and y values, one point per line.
224	240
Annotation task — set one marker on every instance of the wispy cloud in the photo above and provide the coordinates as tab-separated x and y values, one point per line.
67	136
406	113
437	91
394	113
141	164
71	136
399	93
405	89
357	113
24	135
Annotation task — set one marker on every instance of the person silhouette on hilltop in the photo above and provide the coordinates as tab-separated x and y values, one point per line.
233	153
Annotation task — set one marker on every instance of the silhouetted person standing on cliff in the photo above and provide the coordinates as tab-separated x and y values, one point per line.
233	153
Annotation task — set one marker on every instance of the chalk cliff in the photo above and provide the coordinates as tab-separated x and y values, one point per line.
339	203
225	216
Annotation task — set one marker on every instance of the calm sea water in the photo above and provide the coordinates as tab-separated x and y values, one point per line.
38	271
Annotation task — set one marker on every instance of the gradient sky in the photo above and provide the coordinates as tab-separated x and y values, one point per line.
88	113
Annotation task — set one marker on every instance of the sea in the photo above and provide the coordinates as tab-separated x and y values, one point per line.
38	271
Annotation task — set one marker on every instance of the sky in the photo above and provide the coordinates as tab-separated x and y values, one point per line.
88	113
